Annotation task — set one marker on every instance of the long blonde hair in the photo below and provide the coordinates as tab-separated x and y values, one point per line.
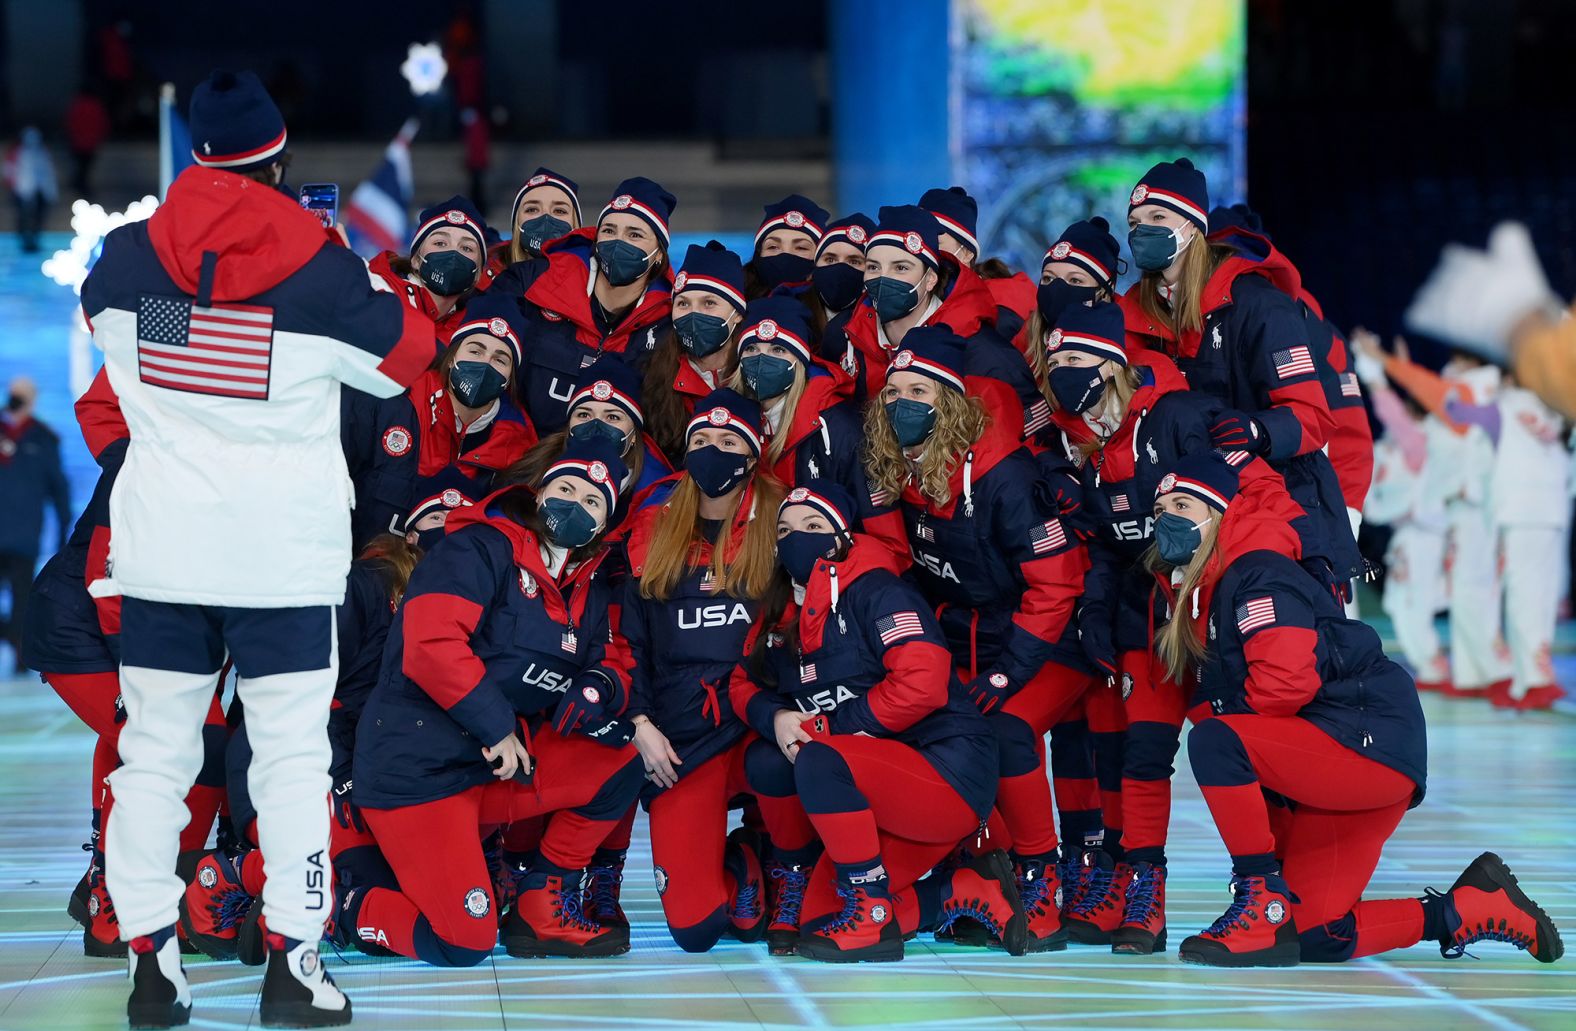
960	423
1185	313
676	543
778	440
1121	387
1180	643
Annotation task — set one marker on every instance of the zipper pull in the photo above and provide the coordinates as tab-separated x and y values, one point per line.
981	835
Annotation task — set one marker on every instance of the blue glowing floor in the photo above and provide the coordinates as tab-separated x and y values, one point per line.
1497	780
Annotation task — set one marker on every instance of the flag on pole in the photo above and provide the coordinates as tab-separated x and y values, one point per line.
175	140
378	215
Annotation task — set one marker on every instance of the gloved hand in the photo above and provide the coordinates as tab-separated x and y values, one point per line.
346	812
1239	431
990	691
584	704
1474	298
1094	637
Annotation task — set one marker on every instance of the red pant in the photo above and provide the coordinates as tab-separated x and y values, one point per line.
912	818
1346	807
1023	796
435	848
1156	705
689	826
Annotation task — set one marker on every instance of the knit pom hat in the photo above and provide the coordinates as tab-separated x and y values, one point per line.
1176	185
234	123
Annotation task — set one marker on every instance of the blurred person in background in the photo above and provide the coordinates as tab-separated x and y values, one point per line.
30	477
30	176
87	126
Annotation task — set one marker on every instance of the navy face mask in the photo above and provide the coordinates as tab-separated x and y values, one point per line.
777	269
715	471
799	551
912	421
892	298
447	273
701	334
428	538
598	431
1057	296
621	261
1154	247
567	523
768	375
476	384
1076	390
1177	537
534	232
838	285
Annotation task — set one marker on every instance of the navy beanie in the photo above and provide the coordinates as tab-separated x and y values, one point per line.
855	229
779	320
444	491
612	382
598	462
825	496
1238	216
795	212
548	177
911	228
727	409
647	201
1208	477
454	213
500	317
933	351
1096	329
234	123
715	268
1090	245
1176	185
957	212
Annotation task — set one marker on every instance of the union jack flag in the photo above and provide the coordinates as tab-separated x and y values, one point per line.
1047	537
1256	613
807	673
1293	361
224	350
898	626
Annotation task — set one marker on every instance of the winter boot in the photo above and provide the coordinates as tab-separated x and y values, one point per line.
1040	888
215	905
297	991
548	919
1142	931
101	936
160	996
604	882
985	890
787	884
741	863
865	930
251	939
1486	904
1100	904
1256	930
963	931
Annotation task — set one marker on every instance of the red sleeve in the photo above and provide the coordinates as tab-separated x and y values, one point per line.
97	562
1306	403
1352	454
412	353
438	654
918	675
1279	644
98	414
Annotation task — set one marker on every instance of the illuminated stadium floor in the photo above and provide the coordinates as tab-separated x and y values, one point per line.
1497	780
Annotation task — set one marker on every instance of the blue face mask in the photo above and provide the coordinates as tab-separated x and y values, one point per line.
912	421
621	261
534	232
428	538
892	298
595	430
447	273
777	269
476	384
567	523
838	284
767	374
1177	537
1076	390
800	550
715	471
701	334
1057	296
1154	247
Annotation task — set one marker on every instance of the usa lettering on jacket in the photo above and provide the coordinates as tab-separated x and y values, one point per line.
544	678
695	617
825	700
1133	529
937	566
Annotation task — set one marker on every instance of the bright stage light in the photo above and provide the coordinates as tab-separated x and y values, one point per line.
90	223
424	68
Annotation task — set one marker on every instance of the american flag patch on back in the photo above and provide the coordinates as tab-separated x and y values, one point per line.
1293	361
1256	613
898	626
225	350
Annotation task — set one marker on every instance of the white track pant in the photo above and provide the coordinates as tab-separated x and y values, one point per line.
1413	591
1476	644
1532	555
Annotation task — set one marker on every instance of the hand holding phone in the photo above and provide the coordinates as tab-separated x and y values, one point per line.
322	200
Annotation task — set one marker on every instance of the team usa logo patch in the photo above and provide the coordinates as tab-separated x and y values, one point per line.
621	202
528	584
662	880
207	876
857	235
717	417
601	390
551	316
477	904
766	330
794	219
309	962
998	680
1140	193
536	180
1053	339
1168	483
798	494
591	694
456	217
396	441
1061	250
452	498
498	327
903	359
914	243
1127	686
1275	912
679	281
878	914
597	472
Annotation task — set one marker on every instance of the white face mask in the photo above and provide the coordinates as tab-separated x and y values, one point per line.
1483	381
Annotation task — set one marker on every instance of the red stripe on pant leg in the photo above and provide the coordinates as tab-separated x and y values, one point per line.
1024	803
1146	813
1081	794
388	918
849	837
1385	924
1238	812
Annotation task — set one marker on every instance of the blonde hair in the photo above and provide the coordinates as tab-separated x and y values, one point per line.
742	571
960	423
1185	313
1121	387
1180	643
779	440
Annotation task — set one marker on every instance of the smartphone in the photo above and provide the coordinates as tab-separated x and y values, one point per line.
322	200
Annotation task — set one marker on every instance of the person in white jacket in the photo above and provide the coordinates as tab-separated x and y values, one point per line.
228	322
1529	498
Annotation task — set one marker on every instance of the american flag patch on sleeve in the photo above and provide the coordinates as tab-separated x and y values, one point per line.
1047	537
1350	386
898	626
1037	418
1256	613
1293	361
225	350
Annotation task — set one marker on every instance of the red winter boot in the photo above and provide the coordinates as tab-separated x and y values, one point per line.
1098	911
1143	928
1485	904
865	930
1257	930
1040	889
101	936
215	905
548	920
786	884
984	889
741	862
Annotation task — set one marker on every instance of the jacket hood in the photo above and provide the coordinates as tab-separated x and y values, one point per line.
260	235
830	580
1161	377
526	551
998	441
825	386
563	287
1016	293
967	306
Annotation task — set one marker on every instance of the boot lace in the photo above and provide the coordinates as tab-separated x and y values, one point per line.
853	913
1036	892
568	907
792	882
1470	934
1245	895
1096	891
953	910
604	887
1142	895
